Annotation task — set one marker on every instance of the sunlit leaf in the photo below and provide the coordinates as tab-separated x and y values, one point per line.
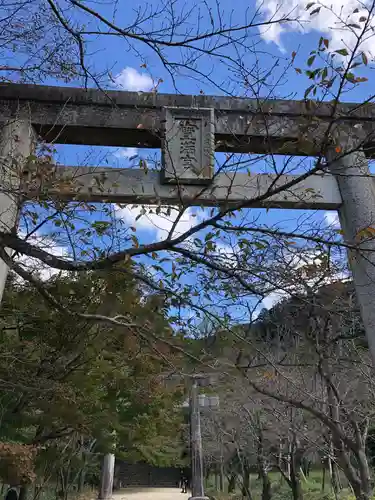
350	77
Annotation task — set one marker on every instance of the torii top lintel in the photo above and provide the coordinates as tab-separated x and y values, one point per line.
118	118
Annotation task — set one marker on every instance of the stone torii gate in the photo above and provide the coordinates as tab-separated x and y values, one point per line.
189	129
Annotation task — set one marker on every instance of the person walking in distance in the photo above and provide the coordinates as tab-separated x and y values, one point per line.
183	482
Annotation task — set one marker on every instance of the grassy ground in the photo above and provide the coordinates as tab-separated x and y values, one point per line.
281	491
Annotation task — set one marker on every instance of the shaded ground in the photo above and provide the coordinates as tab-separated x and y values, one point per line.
150	494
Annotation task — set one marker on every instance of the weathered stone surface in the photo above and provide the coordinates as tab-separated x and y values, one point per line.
59	95
17	142
112	118
188	145
95	184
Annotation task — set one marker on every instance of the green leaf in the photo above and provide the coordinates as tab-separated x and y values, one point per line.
350	77
342	52
307	91
310	60
315	11
330	83
364	59
309	5
356	26
135	241
259	245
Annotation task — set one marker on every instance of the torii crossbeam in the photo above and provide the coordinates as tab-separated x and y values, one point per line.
136	119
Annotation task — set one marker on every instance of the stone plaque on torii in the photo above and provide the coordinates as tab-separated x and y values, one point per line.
190	129
188	146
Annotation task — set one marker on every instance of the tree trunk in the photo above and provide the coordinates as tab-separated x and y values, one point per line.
37	491
262	468
81	479
207	473
306	466
296	485
334	478
221	476
332	470
366	485
266	487
232	483
24	492
246	493
295	470
361	492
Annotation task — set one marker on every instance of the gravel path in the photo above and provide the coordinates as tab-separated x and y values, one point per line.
150	494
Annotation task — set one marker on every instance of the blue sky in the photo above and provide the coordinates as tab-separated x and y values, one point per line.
137	68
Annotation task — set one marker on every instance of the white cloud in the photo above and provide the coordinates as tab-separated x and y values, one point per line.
298	277
146	218
130	79
227	253
329	21
332	219
273	298
126	153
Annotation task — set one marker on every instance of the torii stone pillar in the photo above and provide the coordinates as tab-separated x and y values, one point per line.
356	215
17	142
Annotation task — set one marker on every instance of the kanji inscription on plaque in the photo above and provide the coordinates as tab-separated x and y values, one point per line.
188	145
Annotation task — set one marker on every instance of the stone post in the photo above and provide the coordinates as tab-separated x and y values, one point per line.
197	488
357	219
17	142
106	480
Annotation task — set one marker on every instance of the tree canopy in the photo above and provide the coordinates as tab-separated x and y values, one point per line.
62	376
